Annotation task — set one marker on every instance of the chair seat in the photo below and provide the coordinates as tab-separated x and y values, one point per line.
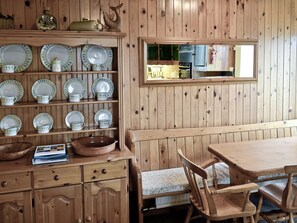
228	206
274	193
174	180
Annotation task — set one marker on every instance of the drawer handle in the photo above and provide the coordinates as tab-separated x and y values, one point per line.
4	184
103	171
56	177
89	219
79	221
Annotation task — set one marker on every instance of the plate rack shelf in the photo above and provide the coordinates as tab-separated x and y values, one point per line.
27	108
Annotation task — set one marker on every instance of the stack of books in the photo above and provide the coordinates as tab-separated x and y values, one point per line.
50	154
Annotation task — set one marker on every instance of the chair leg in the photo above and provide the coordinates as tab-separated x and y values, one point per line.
252	220
260	202
291	218
189	214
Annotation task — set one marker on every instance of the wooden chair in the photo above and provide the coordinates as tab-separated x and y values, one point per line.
217	204
282	195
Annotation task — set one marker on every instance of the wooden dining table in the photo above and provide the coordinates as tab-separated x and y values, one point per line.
249	160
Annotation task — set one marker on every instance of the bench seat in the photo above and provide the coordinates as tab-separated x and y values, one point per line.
157	182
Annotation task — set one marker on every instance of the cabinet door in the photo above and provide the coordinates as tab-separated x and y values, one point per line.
16	207
59	205
106	201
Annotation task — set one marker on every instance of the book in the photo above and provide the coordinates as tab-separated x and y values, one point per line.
50	150
36	161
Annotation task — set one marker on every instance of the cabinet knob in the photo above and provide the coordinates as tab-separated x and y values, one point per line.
89	219
4	184
56	177
79	221
103	171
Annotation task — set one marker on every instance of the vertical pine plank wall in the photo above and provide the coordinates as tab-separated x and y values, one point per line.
272	22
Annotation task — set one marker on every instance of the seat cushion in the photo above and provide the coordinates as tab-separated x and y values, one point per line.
174	179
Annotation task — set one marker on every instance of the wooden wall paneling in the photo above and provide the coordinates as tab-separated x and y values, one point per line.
180	144
145	155
239	104
177	13
161	107
202	19
74	9
202	90
197	144
294	131
217	105
273	63
232	104
194	12
186	106
169	18
210	105
240	18
155	156
164	153
253	103
85	9
205	142
246	103
189	142
225	104
218	29
210	19
95	9
153	107
252	135
286	71
233	16
229	137
64	14
19	13
280	59
266	134
160	18
267	58
259	135
244	136
30	15
254	19
152	11
143	18
134	70
194	114
287	132
261	43
144	108
170	107
173	157
178	107
237	137
293	46
247	18
225	19
273	133
186	18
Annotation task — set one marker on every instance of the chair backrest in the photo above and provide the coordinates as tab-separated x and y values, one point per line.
193	171
289	198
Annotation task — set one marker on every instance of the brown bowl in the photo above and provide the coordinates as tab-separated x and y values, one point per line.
13	151
93	146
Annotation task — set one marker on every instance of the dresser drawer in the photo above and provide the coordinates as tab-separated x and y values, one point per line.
15	182
57	177
104	171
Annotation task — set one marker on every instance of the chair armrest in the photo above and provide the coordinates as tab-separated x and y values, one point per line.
209	162
236	189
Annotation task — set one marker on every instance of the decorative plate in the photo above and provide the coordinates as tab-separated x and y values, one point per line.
43	119
76	86
64	53
44	87
10	121
103	84
19	55
94	54
74	116
11	88
102	114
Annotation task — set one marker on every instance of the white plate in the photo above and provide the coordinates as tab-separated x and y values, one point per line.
43	119
103	84
64	53
75	86
11	88
19	55
102	114
74	116
94	54
44	87
10	121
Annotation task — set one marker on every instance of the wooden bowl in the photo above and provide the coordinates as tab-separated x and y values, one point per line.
93	146
13	151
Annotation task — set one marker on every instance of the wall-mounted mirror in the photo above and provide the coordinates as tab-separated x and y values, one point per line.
173	61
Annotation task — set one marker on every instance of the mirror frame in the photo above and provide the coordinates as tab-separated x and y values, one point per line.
143	45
